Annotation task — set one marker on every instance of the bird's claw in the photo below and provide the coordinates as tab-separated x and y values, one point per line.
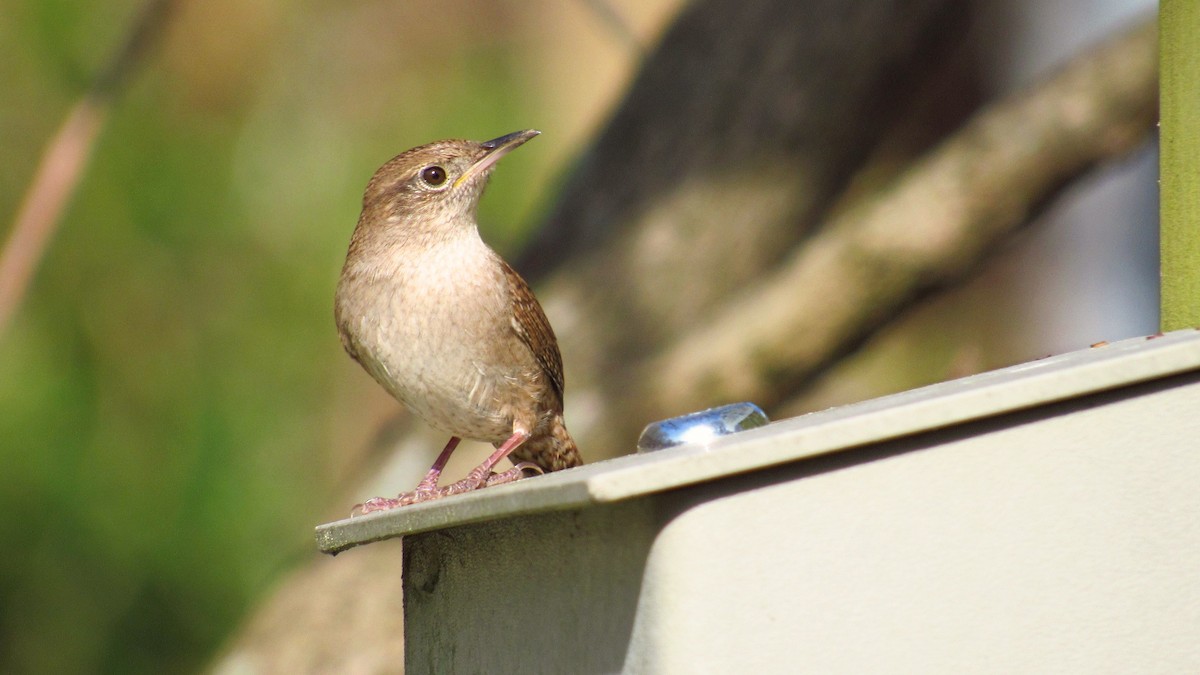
519	471
388	503
473	481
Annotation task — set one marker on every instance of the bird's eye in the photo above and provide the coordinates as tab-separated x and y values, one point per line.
433	175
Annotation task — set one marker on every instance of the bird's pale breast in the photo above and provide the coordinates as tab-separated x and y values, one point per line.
436	333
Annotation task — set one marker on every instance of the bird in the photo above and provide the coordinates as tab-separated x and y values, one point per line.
445	325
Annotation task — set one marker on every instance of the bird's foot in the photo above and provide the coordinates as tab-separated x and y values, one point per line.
421	494
519	471
424	493
478	479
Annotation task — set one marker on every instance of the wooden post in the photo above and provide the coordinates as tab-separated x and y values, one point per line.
1179	45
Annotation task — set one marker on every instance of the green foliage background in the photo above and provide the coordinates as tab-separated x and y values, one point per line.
173	398
175	410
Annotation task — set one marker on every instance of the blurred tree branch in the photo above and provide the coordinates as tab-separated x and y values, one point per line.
678	312
66	156
947	212
687	264
736	137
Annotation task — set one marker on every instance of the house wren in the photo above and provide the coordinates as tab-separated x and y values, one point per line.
445	325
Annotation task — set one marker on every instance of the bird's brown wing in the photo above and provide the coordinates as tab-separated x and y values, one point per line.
530	324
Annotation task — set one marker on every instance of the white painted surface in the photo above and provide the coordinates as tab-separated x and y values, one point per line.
1041	518
1059	545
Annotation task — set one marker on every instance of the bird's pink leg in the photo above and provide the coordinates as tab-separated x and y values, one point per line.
426	489
430	481
480	476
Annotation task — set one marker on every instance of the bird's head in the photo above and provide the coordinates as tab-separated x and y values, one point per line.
436	183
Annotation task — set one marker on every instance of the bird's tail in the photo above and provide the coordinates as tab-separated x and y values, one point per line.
552	451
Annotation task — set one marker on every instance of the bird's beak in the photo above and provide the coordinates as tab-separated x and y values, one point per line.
496	148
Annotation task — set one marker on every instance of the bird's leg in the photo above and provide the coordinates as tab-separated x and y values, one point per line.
430	481
427	489
482	474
